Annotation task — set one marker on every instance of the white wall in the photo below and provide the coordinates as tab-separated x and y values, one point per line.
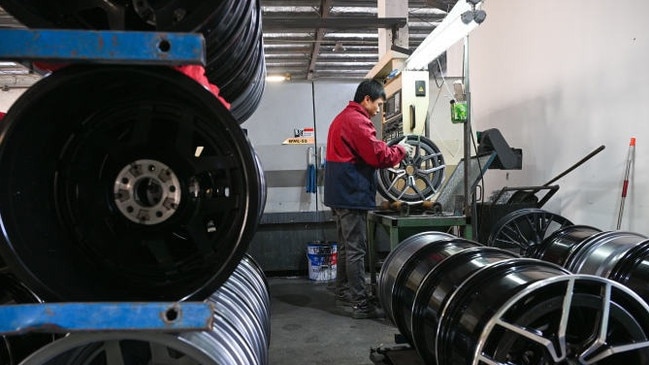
286	106
560	78
7	98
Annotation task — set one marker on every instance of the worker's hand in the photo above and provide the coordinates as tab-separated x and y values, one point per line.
410	149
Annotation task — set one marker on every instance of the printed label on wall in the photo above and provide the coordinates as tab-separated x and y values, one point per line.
301	136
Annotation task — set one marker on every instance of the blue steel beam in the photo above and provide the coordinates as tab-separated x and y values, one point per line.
74	317
118	47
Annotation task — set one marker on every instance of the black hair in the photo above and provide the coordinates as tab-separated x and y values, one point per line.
370	87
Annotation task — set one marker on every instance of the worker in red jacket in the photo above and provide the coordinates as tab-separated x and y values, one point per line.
353	155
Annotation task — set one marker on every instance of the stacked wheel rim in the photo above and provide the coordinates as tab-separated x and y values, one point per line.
232	30
14	348
471	304
240	335
143	189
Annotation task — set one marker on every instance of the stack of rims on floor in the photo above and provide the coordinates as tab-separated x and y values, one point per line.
232	30
240	336
617	255
459	302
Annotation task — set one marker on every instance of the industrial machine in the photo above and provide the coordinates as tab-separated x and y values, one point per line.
408	98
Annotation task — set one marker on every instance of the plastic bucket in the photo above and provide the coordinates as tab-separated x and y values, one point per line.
323	260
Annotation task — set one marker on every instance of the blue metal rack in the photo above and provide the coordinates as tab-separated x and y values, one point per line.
117	47
123	47
73	317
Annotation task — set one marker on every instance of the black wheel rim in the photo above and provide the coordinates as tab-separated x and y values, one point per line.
556	248
416	179
14	348
524	229
438	287
570	319
632	270
475	299
599	254
396	259
139	115
232	31
168	15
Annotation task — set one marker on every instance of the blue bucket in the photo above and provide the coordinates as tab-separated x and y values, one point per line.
323	260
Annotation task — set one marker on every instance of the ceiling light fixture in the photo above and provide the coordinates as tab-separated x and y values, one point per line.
338	47
460	21
278	78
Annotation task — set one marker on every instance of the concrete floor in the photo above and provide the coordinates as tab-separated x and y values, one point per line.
308	329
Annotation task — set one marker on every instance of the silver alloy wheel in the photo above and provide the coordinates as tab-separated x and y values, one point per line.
586	320
415	179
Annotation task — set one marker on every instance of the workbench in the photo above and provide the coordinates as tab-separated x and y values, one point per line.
400	227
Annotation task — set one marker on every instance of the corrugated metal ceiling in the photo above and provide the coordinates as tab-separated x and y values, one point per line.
347	47
308	39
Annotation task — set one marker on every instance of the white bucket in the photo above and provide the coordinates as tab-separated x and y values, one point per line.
323	260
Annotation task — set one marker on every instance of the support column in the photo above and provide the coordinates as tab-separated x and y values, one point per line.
388	37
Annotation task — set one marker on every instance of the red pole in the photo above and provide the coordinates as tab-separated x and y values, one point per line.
625	184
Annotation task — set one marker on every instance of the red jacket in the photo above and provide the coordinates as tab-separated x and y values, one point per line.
353	155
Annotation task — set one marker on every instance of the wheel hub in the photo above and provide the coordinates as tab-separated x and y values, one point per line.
147	192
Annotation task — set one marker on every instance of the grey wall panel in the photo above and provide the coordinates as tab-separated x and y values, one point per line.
282	247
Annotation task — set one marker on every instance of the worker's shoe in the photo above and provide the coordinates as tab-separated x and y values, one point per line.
367	311
344	300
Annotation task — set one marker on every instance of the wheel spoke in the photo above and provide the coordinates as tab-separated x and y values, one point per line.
525	228
565	316
426	168
142	127
399	176
198	231
427	182
608	351
600	341
544	342
184	141
211	163
431	156
514	236
113	353
489	361
535	224
430	171
213	206
160	251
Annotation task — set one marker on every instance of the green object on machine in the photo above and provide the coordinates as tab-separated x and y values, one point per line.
458	111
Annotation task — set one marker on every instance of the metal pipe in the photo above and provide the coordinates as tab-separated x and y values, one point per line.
468	196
